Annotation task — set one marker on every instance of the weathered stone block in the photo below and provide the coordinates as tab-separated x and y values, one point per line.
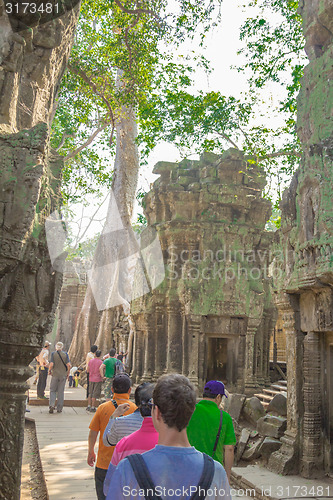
253	452
272	426
234	405
268	446
243	440
278	405
253	410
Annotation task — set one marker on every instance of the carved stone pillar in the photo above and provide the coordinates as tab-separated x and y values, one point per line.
194	327
241	364
138	362
250	379
312	463
149	352
12	410
202	360
29	285
285	460
160	341
174	348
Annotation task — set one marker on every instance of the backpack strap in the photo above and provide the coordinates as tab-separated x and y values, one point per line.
143	476
114	402
218	432
63	362
205	479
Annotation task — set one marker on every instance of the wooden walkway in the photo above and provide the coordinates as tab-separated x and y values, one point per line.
62	439
63	447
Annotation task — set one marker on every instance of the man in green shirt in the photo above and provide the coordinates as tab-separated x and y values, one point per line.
202	430
108	371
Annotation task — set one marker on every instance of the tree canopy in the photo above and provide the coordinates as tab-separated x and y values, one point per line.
137	38
141	39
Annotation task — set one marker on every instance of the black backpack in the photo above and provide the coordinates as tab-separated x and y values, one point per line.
146	484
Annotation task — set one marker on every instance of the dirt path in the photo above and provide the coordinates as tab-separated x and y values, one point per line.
33	481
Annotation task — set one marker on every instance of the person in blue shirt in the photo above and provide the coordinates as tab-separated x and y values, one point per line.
174	466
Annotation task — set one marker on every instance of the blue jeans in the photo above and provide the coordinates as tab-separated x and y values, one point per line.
99	481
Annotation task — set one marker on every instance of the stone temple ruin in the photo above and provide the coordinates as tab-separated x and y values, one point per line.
304	292
213	314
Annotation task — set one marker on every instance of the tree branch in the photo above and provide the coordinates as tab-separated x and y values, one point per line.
85	144
63	138
85	78
227	138
279	154
136	11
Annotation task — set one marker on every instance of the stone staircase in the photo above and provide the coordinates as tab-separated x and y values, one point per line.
268	394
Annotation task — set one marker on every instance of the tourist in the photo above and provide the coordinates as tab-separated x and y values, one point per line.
142	440
122	389
122	356
59	369
173	465
71	381
210	429
90	355
95	381
118	428
107	371
43	366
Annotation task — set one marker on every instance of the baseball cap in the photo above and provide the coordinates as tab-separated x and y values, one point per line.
47	343
215	387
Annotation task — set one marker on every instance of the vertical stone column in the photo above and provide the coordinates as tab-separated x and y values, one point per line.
138	350
250	379
286	459
149	351
241	363
12	410
174	352
160	341
312	463
194	328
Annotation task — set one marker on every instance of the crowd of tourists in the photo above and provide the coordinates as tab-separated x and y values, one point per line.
165	444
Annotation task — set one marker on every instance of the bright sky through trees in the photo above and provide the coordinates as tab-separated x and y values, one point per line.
221	46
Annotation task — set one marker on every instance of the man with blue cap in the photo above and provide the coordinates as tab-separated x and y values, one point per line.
210	429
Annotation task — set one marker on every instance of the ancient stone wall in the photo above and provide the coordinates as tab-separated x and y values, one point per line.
71	299
305	296
212	316
32	62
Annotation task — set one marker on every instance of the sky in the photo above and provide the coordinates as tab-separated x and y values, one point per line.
222	44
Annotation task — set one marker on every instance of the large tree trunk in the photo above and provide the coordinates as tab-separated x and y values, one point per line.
31	66
111	274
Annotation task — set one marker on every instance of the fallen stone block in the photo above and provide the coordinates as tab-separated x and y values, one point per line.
253	410
278	405
271	426
234	405
268	446
243	440
253	452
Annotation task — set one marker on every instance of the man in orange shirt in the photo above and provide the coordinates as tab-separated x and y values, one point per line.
121	390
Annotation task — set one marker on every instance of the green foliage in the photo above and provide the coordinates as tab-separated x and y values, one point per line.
118	36
84	250
274	222
141	40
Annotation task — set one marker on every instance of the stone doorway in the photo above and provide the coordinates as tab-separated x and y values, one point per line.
221	359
